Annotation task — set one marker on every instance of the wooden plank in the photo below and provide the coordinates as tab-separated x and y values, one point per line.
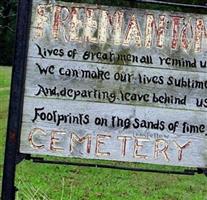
117	84
165	48
56	127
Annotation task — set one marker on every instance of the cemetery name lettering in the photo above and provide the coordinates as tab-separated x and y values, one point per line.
100	26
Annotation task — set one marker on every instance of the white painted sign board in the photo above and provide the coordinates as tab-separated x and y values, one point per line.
116	83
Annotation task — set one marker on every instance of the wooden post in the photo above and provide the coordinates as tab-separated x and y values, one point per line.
16	100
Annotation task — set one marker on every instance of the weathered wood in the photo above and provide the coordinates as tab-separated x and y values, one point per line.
162	44
124	85
192	155
117	84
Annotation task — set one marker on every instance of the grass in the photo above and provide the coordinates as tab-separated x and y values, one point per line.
57	182
5	78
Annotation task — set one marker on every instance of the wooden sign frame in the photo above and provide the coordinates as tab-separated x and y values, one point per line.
12	155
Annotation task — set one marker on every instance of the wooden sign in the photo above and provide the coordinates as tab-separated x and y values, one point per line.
116	83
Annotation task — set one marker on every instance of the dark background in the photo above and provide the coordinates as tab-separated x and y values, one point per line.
8	20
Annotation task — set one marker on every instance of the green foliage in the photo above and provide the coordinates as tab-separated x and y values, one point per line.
7	30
